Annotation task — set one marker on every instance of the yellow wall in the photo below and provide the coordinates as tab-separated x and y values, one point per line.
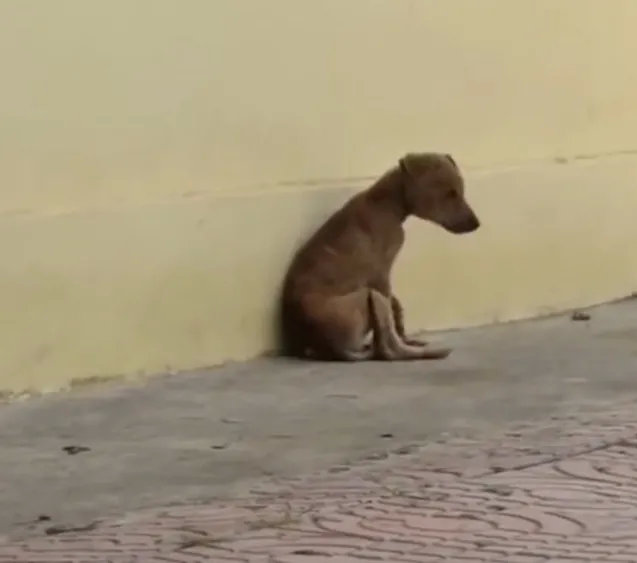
160	159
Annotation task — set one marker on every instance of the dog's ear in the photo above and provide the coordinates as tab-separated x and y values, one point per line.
406	164
450	159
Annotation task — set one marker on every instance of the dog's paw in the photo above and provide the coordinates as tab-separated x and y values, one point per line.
415	342
437	353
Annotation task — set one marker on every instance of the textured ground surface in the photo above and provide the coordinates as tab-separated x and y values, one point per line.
521	447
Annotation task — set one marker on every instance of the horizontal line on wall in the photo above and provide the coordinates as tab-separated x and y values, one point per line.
290	186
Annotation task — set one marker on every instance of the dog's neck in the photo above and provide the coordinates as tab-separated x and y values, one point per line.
388	193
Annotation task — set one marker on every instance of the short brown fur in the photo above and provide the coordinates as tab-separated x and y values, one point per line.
338	290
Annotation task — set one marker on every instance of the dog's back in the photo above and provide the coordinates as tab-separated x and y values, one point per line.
313	269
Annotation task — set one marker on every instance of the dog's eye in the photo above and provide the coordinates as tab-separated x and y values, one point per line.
451	194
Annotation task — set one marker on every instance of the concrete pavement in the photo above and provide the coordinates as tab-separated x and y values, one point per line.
562	490
520	447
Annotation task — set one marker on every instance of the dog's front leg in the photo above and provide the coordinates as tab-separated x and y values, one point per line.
388	345
397	311
383	286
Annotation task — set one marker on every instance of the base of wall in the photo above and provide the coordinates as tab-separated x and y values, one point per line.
182	284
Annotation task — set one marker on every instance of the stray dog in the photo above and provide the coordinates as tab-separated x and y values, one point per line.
337	289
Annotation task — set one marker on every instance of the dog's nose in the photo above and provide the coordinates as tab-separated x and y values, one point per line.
467	225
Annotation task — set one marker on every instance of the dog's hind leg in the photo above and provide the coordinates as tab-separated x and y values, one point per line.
339	326
388	344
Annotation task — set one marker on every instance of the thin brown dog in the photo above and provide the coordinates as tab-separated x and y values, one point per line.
337	289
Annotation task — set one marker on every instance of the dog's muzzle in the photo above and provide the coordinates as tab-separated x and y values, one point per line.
466	225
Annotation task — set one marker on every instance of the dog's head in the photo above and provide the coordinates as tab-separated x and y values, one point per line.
434	190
